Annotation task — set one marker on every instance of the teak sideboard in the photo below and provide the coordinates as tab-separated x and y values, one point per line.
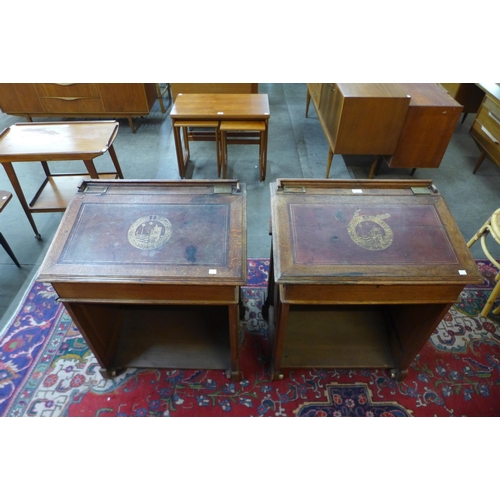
90	100
408	125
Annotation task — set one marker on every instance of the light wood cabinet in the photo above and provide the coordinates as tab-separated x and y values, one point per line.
486	127
89	100
409	125
430	122
360	118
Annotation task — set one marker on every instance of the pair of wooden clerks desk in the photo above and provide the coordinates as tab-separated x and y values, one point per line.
362	272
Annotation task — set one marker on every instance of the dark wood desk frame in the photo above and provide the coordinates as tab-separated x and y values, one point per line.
364	313
159	308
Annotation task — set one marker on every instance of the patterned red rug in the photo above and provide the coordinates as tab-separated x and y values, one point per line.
46	369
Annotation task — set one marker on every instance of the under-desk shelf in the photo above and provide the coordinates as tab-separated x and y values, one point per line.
177	337
336	337
57	190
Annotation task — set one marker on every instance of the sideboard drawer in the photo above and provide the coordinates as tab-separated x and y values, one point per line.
486	129
489	116
63	105
67	90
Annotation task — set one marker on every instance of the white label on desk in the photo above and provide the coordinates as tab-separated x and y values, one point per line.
462	272
357	191
212	271
220	112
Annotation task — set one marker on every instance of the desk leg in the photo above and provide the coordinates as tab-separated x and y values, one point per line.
264	152
91	169
11	174
308	100
46	169
181	163
234	326
112	153
279	339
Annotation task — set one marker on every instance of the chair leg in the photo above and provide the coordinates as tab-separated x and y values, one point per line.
478	234
4	243
491	299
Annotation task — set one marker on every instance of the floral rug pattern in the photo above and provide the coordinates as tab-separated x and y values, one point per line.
46	369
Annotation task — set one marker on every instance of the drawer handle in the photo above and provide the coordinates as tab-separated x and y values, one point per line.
68	98
64	84
494	116
489	134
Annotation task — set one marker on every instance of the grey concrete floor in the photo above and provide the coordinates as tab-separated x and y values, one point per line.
297	148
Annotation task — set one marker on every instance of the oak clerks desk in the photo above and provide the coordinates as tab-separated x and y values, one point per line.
362	272
150	272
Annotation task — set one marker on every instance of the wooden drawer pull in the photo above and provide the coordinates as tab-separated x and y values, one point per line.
495	117
68	98
490	135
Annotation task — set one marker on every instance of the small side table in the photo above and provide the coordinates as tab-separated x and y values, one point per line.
5	197
56	141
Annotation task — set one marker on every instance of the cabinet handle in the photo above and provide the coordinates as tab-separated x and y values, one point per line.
67	98
495	117
64	84
489	134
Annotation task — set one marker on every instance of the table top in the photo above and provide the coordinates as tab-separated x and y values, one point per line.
366	232
166	232
221	106
56	140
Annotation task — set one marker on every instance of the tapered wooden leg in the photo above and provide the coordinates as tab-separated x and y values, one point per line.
91	169
114	158
329	161
375	166
131	124
479	161
4	243
308	100
11	174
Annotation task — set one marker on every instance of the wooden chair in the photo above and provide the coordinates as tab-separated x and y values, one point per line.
5	197
251	132
187	124
491	226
